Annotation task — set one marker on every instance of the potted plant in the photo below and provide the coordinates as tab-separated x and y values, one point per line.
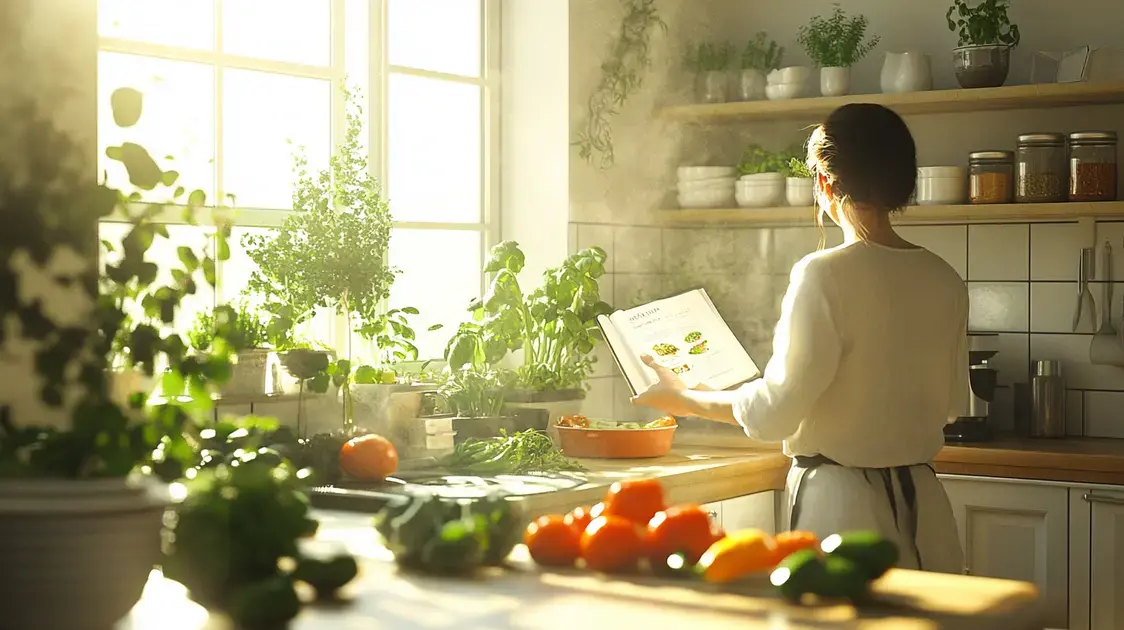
760	56
554	327
836	43
476	395
71	458
710	63
331	251
254	370
762	181
986	36
799	187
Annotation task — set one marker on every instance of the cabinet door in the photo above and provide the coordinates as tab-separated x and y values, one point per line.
756	511
1016	532
715	510
1106	559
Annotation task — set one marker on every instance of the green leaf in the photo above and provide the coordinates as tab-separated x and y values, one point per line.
114	153
127	105
180	190
144	173
209	270
366	375
188	258
197	198
169	178
409	310
172	383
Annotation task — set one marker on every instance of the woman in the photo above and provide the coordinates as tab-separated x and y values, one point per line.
869	357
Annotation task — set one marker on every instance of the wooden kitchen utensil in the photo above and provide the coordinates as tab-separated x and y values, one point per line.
1105	348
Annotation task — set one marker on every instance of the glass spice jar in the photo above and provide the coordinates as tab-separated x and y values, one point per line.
1040	168
1092	166
991	176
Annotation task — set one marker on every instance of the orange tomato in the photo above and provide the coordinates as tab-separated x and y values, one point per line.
788	543
552	542
737	555
682	529
368	458
612	543
580	518
637	500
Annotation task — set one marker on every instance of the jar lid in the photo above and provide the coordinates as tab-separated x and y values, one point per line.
991	155
1042	138
1048	367
1093	136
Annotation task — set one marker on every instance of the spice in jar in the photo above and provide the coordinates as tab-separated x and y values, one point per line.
990	177
1040	168
1092	166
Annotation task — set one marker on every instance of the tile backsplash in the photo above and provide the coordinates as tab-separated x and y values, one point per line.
1021	280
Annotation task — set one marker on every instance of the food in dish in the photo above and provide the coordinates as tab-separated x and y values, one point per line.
698	348
679	369
665	349
692	337
582	422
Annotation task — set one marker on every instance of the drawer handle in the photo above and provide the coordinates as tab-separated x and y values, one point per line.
713	514
1100	498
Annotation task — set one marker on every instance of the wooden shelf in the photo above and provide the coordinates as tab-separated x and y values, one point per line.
913	214
1040	96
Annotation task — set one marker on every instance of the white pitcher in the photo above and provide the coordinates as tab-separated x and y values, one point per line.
906	72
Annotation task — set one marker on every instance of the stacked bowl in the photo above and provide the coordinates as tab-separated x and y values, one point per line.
706	186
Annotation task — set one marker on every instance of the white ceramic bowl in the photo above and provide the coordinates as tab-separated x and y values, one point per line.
714	198
941	185
791	74
705	184
784	91
760	194
772	179
799	191
690	173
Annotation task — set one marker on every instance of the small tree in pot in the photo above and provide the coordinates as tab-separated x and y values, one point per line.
986	36
836	43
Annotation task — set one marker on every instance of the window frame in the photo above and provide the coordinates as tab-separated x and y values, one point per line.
380	71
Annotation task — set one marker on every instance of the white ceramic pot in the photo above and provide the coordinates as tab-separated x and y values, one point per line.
391	411
835	81
714	86
798	191
941	185
760	191
697	185
255	372
791	74
906	72
691	173
784	91
751	85
76	553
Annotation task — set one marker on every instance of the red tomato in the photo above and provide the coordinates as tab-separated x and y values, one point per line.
579	519
369	458
612	543
552	542
637	500
682	529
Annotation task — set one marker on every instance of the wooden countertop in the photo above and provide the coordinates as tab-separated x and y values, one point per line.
1074	460
523	598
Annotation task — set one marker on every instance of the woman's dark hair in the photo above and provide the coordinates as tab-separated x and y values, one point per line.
867	152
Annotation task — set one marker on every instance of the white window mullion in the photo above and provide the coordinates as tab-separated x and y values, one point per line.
220	193
210	57
490	128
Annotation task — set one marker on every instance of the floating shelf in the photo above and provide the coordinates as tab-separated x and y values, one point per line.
1045	95
1009	212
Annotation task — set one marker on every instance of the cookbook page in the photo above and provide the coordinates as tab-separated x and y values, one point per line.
686	334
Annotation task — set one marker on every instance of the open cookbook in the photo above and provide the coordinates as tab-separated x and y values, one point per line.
684	333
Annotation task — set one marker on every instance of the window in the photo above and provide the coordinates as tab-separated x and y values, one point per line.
231	86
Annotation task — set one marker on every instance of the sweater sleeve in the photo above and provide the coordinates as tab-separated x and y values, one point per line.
806	351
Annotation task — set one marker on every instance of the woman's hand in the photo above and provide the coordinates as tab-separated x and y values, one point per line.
666	394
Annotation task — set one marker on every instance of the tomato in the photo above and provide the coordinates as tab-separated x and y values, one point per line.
369	458
788	543
737	555
612	543
637	500
580	518
682	529
552	541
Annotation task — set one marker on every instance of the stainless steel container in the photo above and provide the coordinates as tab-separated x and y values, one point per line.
1047	404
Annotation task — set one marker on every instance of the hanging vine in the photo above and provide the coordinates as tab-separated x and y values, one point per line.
622	74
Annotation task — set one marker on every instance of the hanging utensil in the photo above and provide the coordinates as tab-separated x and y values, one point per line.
1085	314
1105	348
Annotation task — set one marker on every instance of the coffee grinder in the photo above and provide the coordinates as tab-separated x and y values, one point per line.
982	381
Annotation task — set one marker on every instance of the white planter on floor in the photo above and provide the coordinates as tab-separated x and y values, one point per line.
76	553
835	81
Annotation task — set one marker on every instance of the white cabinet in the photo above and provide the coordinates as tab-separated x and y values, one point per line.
1097	558
1016	531
756	511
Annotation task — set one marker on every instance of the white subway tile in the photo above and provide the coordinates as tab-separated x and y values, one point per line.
998	252
1104	414
572	239
790	244
1013	359
998	306
1073	352
637	249
950	242
1052	306
1074	413
1055	249
597	236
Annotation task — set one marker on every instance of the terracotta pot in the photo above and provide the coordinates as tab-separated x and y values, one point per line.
76	553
